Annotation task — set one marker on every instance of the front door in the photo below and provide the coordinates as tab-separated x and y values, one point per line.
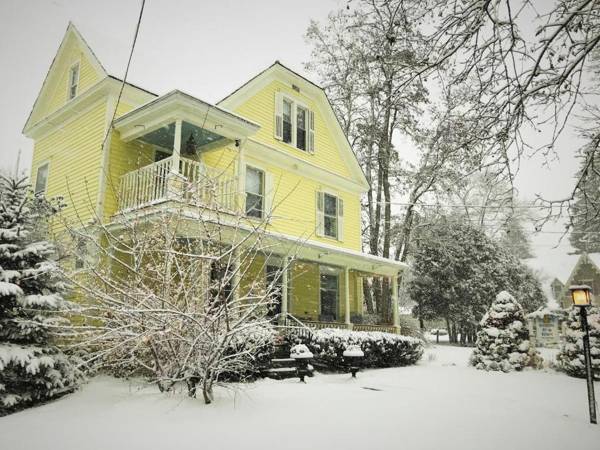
329	297
274	287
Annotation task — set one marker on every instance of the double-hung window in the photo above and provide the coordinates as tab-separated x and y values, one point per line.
41	179
301	114
255	192
287	121
330	216
294	123
73	80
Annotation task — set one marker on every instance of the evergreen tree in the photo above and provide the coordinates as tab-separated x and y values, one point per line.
32	368
455	266
503	340
571	358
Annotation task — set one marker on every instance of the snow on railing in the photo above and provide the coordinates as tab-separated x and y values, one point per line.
199	185
144	186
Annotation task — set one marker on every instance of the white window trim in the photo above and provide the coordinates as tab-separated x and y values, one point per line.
295	105
335	271
69	85
340	223
42	164
264	189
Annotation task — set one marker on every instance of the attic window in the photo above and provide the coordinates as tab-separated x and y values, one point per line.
73	80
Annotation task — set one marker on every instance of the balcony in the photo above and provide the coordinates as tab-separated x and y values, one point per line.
175	136
193	183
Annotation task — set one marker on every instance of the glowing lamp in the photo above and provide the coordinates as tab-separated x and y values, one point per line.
581	295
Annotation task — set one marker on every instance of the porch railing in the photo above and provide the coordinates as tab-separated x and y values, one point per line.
144	186
291	323
196	184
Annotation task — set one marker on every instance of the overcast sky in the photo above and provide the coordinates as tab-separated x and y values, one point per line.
206	48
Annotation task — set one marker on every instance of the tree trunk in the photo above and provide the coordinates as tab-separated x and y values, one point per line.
368	294
207	391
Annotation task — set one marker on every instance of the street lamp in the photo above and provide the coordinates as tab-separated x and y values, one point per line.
582	298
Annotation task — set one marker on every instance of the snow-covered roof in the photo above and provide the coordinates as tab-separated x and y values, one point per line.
553	265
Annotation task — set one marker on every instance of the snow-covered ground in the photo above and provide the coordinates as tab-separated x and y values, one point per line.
440	403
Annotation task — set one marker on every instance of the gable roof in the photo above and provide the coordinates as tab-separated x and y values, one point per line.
71	35
279	71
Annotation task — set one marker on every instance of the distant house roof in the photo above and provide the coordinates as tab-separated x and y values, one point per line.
557	266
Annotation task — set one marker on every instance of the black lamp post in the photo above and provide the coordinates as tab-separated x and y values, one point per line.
353	356
302	356
582	298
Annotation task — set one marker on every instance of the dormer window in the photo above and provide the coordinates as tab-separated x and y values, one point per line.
287	121
294	123
73	80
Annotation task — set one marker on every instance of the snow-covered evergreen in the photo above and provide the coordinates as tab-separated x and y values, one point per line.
571	358
32	368
503	339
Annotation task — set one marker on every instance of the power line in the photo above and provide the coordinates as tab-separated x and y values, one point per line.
135	36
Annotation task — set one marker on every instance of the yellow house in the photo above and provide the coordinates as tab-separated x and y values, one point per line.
273	149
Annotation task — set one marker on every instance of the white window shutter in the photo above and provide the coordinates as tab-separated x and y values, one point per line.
340	224
320	214
311	132
269	195
278	116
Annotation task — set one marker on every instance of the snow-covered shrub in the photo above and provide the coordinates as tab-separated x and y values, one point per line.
32	368
257	345
503	339
380	349
570	358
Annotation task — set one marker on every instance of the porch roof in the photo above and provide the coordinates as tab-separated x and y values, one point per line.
300	247
175	105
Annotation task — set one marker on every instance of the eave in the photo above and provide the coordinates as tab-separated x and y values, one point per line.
179	105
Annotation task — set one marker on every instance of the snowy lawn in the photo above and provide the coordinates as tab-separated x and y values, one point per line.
440	403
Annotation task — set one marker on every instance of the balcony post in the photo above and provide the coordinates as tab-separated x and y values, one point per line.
284	292
395	311
241	181
176	147
347	298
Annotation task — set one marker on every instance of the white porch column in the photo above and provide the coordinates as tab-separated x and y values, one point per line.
395	311
347	298
284	292
241	181
176	147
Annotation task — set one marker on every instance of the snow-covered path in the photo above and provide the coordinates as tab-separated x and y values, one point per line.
440	403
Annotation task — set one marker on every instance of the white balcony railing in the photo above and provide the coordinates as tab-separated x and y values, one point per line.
194	183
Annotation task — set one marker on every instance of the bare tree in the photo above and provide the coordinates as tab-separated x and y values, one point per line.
170	294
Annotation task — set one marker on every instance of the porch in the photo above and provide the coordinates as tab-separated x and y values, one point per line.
187	151
322	287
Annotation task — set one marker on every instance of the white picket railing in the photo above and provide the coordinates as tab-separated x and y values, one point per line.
196	184
144	186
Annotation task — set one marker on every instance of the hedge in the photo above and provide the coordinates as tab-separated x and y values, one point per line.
380	349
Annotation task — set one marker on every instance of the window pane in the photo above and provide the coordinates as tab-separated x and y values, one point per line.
330	205
254	181
41	179
329	297
301	129
330	227
287	121
254	205
73	80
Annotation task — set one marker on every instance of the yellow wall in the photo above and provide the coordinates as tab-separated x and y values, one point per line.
261	109
74	152
87	78
294	198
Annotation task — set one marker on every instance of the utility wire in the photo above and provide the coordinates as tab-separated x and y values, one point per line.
137	30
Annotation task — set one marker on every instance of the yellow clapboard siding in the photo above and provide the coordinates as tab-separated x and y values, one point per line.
74	153
261	109
87	78
294	207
